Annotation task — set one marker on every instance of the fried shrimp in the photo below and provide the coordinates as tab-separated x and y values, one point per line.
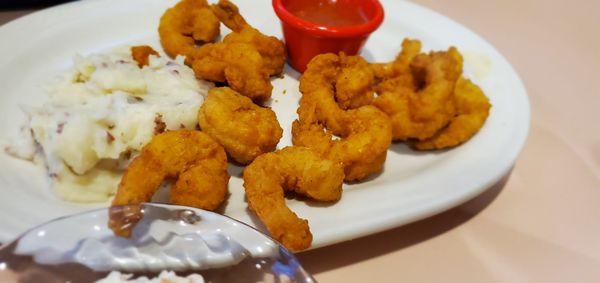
362	147
317	103
141	53
238	64
472	109
419	109
188	22
194	158
270	48
199	163
365	133
399	69
245	59
295	169
243	128
354	84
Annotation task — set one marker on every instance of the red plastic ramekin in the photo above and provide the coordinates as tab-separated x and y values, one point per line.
305	40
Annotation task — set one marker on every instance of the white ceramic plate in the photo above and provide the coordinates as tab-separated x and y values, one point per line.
413	185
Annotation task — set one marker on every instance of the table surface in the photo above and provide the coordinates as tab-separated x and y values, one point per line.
541	222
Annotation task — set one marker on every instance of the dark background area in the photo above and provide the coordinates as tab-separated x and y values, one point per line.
20	4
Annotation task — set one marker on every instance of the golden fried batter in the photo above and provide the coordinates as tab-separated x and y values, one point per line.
245	59
238	64
365	133
141	53
421	108
270	48
295	169
243	128
188	22
399	69
472	109
362	146
354	84
199	163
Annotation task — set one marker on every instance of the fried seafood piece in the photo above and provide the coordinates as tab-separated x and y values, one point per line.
270	48
418	110
354	84
361	147
319	83
472	109
245	59
238	64
141	54
317	103
194	158
185	24
399	69
365	133
296	169
243	128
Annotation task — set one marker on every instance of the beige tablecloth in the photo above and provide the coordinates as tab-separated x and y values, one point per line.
542	223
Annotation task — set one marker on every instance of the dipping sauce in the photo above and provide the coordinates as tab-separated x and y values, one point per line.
313	27
334	13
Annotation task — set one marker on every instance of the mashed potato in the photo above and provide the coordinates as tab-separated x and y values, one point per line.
101	113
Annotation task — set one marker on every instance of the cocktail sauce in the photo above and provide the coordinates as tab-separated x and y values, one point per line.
332	13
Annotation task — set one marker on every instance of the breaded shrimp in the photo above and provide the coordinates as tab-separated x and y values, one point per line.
141	53
354	84
245	59
188	22
362	146
295	169
365	133
421	110
270	48
472	109
317	103
199	163
399	69
243	128
203	185
238	64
